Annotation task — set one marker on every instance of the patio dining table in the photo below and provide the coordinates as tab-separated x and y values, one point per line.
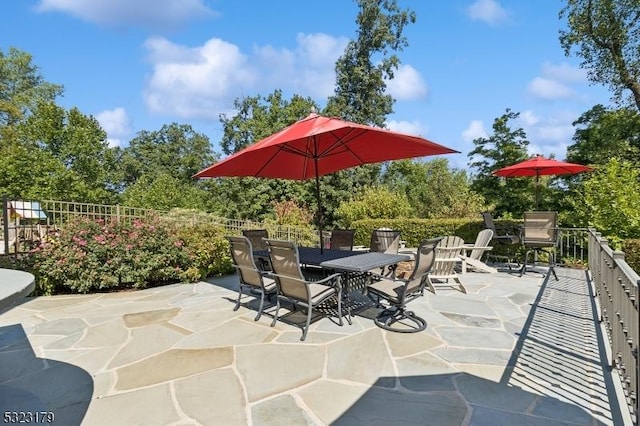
355	266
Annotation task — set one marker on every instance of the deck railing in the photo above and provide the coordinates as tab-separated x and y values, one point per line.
616	285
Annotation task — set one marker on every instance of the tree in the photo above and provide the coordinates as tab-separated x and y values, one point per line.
503	148
433	189
603	133
175	149
163	192
608	200
22	88
80	145
373	203
368	61
606	35
258	117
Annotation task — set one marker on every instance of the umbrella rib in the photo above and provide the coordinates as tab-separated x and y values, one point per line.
343	142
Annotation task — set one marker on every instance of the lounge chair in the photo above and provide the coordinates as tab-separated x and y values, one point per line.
249	274
540	234
293	287
447	256
471	256
342	239
399	291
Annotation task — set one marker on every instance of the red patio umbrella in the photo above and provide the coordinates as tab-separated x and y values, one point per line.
540	166
316	146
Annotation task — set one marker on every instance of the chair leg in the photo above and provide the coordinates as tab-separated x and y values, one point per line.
306	328
275	316
261	305
524	264
238	301
340	309
432	289
462	289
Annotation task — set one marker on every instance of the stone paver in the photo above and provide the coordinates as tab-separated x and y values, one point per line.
511	351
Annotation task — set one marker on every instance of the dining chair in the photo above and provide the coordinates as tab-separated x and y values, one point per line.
505	238
342	239
385	241
540	235
399	291
257	237
248	273
293	287
447	256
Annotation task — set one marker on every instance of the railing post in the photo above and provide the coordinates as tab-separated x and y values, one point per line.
5	224
118	213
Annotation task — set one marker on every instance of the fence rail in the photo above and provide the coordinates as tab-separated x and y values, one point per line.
617	288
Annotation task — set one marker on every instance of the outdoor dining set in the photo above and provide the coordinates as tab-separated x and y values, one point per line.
326	280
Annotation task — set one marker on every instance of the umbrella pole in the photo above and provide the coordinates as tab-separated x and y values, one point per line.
537	188
319	206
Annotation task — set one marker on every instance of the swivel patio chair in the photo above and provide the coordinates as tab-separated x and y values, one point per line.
399	291
471	256
257	237
447	256
540	235
342	239
294	288
249	274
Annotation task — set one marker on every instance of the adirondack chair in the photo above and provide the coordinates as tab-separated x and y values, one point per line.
471	256
447	256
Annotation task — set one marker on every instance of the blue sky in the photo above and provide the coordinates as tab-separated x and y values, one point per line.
136	65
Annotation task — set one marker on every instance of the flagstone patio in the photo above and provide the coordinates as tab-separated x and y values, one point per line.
514	350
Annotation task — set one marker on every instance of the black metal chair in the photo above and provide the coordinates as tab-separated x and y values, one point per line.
506	239
540	235
399	291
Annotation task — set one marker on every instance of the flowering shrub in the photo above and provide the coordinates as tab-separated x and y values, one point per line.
210	255
88	255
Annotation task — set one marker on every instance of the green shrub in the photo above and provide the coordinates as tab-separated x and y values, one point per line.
88	255
209	249
631	250
374	203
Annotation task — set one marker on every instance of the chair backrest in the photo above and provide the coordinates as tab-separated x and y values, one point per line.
425	259
385	241
482	241
487	218
342	239
242	257
540	228
447	252
285	262
256	237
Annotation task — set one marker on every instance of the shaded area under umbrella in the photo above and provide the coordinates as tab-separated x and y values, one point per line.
540	166
316	146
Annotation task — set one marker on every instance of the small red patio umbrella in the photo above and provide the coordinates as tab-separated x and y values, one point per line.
316	146
540	166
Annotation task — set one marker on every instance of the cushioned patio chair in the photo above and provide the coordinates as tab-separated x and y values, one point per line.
342	239
293	287
399	291
257	237
249	274
447	256
471	256
540	235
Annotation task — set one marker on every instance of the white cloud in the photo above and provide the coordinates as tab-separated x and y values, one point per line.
408	127
488	11
203	81
145	13
475	130
528	118
116	123
564	72
407	84
549	89
550	134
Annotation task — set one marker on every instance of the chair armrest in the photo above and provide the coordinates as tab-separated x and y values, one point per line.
322	281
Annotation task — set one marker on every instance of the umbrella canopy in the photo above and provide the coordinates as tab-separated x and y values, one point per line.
317	146
540	166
